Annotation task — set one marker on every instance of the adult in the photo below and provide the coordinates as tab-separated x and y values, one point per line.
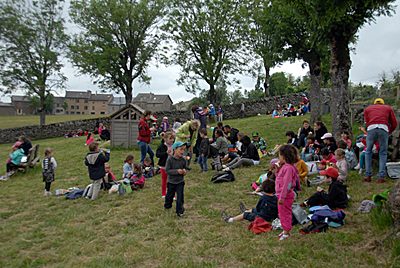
144	137
248	157
105	133
211	112
231	134
220	126
329	142
320	129
188	133
380	121
199	114
220	114
100	128
26	144
303	133
292	138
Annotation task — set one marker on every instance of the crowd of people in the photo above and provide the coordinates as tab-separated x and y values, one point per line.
228	148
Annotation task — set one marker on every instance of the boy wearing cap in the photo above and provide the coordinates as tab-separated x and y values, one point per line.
336	198
176	169
259	142
380	121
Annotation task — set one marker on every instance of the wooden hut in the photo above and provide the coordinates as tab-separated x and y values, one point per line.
124	126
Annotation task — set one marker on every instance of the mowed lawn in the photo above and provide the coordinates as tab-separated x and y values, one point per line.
135	231
31	120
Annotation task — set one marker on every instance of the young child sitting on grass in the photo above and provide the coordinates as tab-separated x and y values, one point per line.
266	207
137	179
336	198
109	179
259	142
270	175
176	168
328	159
95	161
128	166
49	165
341	164
147	168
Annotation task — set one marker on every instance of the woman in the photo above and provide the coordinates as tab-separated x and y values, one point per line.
187	133
144	138
320	129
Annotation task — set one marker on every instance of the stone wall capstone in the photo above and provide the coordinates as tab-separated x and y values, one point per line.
252	108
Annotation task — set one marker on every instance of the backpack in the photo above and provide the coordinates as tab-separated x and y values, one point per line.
223	176
350	159
299	214
48	170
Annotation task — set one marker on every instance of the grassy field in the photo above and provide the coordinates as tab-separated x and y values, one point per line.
31	120
135	231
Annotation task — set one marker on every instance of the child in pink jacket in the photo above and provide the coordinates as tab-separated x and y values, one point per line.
287	179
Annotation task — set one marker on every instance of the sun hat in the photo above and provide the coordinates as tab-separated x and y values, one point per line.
165	118
326	136
177	145
330	172
379	101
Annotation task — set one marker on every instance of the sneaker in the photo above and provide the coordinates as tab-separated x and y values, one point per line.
45	193
242	207
163	196
360	171
174	198
381	180
180	215
357	167
284	236
367	179
225	216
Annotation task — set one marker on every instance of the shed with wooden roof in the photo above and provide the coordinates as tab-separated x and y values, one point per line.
124	126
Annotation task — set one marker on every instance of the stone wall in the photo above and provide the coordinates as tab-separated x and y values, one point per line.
50	131
252	108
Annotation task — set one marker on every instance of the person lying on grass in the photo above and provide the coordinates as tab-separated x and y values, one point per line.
249	156
336	198
266	208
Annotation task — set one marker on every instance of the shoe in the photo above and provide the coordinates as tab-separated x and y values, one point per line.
163	196
242	207
225	216
224	166
367	179
381	180
360	171
357	167
284	237
180	215
45	193
226	169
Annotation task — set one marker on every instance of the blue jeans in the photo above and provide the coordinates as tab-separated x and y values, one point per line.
382	137
144	150
203	162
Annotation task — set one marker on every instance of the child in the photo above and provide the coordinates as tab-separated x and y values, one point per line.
345	136
147	168
302	168
259	142
336	197
128	166
109	179
162	153
328	159
95	161
341	164
285	183
176	169
309	152
292	138
49	164
329	142
266	207
89	139
350	156
270	175
137	179
204	149
165	124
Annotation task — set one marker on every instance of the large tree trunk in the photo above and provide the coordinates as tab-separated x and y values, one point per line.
266	80
339	71
315	90
42	111
128	93
212	95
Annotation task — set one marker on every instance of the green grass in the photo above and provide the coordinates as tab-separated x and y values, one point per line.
135	231
31	120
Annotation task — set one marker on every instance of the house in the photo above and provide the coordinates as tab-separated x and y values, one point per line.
23	105
153	102
84	102
58	105
116	104
7	109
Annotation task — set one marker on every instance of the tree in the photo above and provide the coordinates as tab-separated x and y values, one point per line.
32	40
338	22
278	84
236	97
362	92
207	42
263	37
48	104
117	42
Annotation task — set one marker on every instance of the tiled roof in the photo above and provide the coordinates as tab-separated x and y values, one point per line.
101	97
19	98
151	98
78	94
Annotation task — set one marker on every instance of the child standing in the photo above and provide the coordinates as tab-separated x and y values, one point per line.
204	150
95	161
162	153
49	164
176	169
285	183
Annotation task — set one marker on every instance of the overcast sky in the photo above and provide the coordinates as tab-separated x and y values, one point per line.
377	51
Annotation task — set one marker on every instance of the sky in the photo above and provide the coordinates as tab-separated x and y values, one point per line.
377	51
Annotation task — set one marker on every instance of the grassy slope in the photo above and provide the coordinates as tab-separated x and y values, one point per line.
30	120
135	230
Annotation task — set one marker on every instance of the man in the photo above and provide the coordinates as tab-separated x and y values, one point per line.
231	134
380	121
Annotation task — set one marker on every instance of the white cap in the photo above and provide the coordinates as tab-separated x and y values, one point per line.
326	136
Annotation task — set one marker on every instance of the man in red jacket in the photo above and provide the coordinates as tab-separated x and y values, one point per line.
380	121
144	138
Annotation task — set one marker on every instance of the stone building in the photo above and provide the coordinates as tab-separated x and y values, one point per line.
117	104
7	109
153	102
23	105
84	102
59	105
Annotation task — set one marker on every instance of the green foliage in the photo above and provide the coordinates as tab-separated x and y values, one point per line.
207	41
117	42
362	92
278	84
48	103
32	41
381	217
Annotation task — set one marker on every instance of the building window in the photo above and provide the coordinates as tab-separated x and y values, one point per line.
102	113
83	112
104	102
58	105
72	112
78	112
72	107
92	102
93	108
86	107
92	113
77	100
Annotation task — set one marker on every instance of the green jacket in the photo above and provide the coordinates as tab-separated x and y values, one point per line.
184	131
16	156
